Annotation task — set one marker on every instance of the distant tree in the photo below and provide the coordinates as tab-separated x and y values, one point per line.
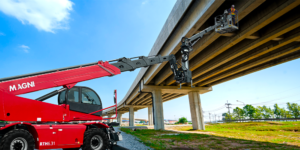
229	116
239	113
294	109
249	110
182	120
277	111
258	114
285	113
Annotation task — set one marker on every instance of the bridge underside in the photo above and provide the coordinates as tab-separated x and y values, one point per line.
268	35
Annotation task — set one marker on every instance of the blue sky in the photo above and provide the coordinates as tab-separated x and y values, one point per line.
40	35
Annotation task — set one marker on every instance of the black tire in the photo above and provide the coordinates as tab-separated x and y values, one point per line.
95	139
20	139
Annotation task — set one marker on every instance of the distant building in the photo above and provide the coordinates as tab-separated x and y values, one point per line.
170	121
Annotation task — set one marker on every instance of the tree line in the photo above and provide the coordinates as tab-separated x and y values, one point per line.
264	112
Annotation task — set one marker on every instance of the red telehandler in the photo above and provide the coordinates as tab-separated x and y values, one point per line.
29	124
40	125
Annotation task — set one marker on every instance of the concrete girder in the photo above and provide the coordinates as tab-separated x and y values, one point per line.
256	53
133	95
143	106
145	101
244	7
250	26
278	29
279	53
149	101
228	34
146	98
261	67
253	36
122	112
174	89
193	19
278	38
142	95
173	97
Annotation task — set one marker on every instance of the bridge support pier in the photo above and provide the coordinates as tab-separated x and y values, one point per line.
119	118
196	111
109	120
131	116
150	116
158	110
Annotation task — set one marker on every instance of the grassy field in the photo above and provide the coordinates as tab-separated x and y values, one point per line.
251	135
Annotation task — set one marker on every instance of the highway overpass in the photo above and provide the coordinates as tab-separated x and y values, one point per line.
269	35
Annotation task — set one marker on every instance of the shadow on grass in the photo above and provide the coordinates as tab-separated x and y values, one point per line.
161	139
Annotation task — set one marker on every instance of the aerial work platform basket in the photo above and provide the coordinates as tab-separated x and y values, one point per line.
224	23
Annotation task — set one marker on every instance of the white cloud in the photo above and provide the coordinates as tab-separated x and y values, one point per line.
2	34
25	48
46	15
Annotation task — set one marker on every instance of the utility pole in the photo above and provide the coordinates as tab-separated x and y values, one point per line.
209	118
228	106
216	118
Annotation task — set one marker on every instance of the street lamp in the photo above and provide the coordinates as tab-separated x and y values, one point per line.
241	102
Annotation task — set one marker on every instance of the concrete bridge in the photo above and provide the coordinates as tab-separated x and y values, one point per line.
269	35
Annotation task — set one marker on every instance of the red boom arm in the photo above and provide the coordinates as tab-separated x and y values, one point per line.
66	78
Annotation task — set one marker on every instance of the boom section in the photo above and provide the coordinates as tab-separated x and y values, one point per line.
130	64
67	77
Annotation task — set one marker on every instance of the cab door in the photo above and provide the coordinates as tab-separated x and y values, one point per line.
81	99
90	101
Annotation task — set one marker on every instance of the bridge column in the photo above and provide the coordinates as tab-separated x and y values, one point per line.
119	118
109	120
131	116
150	116
158	110
196	111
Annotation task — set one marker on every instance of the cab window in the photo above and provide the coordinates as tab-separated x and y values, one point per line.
73	95
88	96
62	97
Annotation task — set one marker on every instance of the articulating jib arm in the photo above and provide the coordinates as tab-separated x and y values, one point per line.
129	64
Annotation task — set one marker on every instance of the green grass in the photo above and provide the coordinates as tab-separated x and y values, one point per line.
252	135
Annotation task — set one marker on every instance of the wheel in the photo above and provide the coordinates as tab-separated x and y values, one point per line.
17	139
95	139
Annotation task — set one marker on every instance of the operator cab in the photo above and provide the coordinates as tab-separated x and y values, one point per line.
81	99
224	23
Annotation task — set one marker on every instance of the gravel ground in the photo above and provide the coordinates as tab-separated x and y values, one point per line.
131	142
